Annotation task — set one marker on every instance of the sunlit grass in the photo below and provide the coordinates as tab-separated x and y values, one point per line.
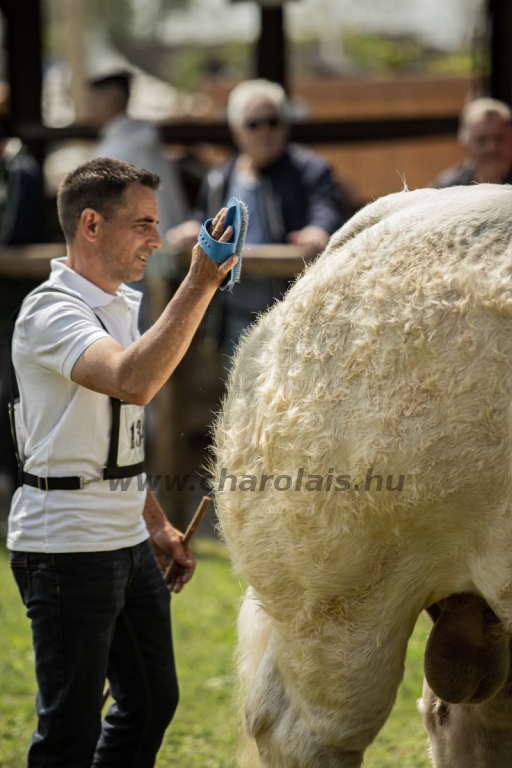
202	733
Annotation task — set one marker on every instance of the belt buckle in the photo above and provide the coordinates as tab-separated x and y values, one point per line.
42	483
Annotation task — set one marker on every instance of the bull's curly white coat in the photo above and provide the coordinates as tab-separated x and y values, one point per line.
393	352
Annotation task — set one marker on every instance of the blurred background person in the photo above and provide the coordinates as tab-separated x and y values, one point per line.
135	141
485	134
21	214
291	194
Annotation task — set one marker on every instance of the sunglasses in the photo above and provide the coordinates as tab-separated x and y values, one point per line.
267	122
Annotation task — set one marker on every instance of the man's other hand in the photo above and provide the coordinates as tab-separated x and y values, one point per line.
184	235
166	543
311	237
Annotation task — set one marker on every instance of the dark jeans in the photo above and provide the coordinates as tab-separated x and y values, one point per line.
98	615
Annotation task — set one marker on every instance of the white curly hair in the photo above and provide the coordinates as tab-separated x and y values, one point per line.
251	91
480	109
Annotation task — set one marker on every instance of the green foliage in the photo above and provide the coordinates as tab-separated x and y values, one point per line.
372	51
188	67
202	733
191	64
381	53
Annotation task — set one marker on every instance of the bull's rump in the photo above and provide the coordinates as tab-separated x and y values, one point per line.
392	353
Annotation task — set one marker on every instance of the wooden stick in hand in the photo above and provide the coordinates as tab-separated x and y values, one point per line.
203	506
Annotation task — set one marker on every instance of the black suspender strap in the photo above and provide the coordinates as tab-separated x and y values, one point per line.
68	483
114	440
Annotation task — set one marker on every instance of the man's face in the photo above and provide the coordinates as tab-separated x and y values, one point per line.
105	103
263	135
126	241
489	148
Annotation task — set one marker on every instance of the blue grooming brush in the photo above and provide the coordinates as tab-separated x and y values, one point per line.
237	217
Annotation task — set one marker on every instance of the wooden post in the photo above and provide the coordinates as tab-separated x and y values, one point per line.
271	46
169	457
24	51
500	12
75	13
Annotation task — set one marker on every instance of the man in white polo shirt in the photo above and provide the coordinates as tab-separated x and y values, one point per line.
83	554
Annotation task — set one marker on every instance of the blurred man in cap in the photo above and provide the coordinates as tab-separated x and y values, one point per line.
135	141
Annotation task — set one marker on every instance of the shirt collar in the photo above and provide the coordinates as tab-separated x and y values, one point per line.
67	279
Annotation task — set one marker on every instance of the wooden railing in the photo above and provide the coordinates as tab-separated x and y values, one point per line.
33	261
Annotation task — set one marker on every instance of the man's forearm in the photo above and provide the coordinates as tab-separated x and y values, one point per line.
147	363
153	514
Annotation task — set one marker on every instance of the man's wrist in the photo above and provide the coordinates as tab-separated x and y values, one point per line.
154	516
154	525
199	284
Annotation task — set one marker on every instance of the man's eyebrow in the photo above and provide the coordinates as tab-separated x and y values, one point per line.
149	219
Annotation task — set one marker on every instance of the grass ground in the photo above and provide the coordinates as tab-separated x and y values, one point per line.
201	734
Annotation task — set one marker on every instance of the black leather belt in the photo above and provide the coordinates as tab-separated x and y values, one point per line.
53	483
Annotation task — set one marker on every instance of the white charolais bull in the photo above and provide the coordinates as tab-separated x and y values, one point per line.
391	356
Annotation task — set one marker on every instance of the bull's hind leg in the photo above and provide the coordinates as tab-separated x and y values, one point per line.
325	687
467	693
254	631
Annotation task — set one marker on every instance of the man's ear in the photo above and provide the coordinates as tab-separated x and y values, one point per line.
88	226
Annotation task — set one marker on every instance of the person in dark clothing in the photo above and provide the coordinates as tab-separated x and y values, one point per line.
297	190
291	194
21	205
486	136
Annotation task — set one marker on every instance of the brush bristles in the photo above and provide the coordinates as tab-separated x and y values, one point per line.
237	269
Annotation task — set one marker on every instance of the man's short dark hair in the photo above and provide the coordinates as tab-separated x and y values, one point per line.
99	184
121	80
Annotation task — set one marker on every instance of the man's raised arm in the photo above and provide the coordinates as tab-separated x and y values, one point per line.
135	374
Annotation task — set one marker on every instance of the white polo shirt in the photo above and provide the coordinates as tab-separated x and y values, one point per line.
68	426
